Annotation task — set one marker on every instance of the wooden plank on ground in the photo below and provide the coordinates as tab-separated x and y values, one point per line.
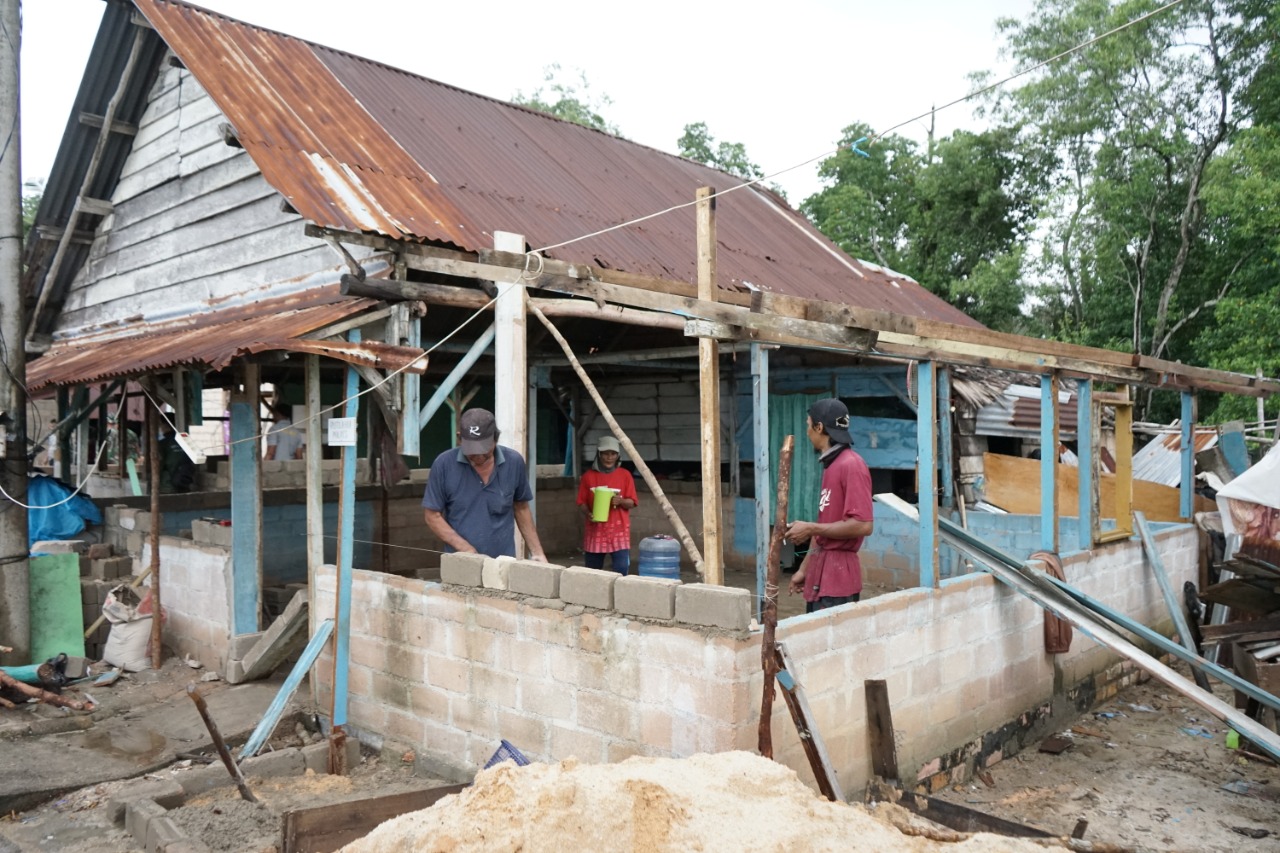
1013	484
884	751
322	829
1236	630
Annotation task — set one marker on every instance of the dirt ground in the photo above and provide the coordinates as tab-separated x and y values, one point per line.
1146	770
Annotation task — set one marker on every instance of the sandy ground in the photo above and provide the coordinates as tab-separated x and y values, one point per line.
1146	771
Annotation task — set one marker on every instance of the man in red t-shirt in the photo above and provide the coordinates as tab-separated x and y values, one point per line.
613	537
831	573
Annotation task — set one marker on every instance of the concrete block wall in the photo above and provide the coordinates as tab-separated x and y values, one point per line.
450	670
292	473
195	591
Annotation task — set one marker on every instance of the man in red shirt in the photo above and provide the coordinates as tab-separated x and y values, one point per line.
613	536
831	573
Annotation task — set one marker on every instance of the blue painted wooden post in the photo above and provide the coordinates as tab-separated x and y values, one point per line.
1187	490
346	530
1085	450
945	429
411	425
927	471
451	381
1049	462
760	438
246	504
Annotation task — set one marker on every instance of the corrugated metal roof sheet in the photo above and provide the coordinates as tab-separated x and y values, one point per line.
1160	461
1016	413
210	340
359	146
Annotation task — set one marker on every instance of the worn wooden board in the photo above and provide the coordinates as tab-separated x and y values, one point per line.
323	829
1242	596
1013	484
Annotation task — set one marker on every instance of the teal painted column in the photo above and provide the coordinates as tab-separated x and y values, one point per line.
1049	463
1086	452
1187	490
760	438
946	461
346	530
246	504
927	471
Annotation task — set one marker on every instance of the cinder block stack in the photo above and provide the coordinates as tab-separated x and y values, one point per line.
93	594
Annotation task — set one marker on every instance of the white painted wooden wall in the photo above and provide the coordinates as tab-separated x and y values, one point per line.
661	419
194	224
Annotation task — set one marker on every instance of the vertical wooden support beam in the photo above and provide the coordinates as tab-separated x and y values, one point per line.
760	440
410	439
246	502
154	464
346	530
62	462
1187	491
314	453
511	360
195	390
1124	468
709	393
926	434
1087	454
1049	413
181	414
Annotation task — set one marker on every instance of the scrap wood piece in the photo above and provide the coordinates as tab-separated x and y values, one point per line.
28	691
1241	595
216	736
1236	630
769	612
323	828
681	531
1056	744
884	750
287	634
810	739
964	819
1170	600
1042	591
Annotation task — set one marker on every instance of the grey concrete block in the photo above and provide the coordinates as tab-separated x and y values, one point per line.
714	606
282	762
204	779
234	673
166	794
109	568
100	551
462	569
653	598
138	814
316	756
285	636
242	643
187	845
59	546
532	578
496	571
588	587
161	832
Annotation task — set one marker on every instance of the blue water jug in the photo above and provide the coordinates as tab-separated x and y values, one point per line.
660	557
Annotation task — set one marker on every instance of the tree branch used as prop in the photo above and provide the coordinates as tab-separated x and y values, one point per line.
769	611
651	480
9	683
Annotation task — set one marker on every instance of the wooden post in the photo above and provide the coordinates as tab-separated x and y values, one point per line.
760	437
1049	463
1187	496
709	393
246	502
511	360
154	464
884	750
927	469
1088	470
769	614
681	531
342	593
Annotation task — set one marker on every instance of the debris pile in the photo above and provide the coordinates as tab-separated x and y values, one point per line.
728	801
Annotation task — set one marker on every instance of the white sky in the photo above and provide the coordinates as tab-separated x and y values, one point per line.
783	78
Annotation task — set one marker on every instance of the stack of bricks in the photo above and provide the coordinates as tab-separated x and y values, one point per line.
292	473
100	572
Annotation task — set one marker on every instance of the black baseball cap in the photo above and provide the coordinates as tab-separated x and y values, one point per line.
477	432
834	417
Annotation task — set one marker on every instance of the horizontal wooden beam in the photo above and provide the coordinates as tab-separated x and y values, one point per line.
847	328
94	206
123	128
53	234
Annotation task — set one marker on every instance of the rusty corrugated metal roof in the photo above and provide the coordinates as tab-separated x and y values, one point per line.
359	146
210	340
1160	461
1016	413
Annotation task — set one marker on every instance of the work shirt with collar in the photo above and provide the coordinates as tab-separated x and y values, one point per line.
834	569
482	513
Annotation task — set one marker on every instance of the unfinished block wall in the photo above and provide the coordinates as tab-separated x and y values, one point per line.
448	671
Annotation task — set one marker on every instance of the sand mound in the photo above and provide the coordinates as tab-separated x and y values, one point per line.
729	801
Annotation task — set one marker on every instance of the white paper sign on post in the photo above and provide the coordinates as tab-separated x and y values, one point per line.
342	432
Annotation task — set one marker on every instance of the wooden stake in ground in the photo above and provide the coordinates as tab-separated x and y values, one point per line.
219	744
769	612
155	463
652	481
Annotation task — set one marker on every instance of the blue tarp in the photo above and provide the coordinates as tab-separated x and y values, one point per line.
63	521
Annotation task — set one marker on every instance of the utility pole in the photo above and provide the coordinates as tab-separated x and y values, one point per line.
15	615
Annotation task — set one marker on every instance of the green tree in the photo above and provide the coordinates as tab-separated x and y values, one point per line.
698	144
1135	122
32	194
569	99
951	216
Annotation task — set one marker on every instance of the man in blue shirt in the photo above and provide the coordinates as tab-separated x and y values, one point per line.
478	493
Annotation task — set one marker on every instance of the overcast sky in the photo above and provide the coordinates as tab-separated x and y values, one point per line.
783	78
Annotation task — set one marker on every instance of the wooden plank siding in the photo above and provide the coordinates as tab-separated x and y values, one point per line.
194	222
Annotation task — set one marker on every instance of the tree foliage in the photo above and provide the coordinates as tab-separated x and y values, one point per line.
32	194
567	97
952	217
698	144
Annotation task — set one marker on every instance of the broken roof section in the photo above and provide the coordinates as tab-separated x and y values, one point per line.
362	147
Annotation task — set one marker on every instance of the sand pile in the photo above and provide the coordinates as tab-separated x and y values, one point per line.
729	801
